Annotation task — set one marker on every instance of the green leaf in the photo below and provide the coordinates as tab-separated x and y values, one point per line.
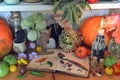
40	26
37	18
32	35
56	7
68	11
27	23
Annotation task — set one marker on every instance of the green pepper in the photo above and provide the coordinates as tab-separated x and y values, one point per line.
37	73
21	76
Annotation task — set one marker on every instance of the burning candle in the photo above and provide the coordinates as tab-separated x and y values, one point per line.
98	45
101	23
101	30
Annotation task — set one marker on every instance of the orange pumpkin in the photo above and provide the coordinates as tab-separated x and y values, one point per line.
6	38
89	30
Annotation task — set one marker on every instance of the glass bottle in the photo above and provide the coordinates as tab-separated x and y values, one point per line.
98	45
14	20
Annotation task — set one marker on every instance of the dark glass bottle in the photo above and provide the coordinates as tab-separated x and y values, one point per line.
98	45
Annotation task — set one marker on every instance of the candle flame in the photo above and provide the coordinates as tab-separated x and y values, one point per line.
101	24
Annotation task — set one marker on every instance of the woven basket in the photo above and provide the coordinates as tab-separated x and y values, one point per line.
31	0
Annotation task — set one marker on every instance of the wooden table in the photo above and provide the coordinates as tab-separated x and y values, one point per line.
58	76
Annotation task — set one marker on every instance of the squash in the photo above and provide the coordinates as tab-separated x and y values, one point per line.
6	38
89	30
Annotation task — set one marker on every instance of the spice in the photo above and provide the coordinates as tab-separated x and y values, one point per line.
93	62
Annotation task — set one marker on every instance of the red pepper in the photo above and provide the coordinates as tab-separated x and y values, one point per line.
116	69
40	60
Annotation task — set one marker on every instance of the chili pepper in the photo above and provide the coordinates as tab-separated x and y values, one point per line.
21	76
40	60
37	73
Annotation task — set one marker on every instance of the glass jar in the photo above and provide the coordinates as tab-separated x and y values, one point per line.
11	1
114	48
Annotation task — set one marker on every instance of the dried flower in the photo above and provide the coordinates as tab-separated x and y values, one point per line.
112	24
116	35
32	45
22	55
33	55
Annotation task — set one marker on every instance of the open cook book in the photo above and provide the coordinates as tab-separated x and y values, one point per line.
59	61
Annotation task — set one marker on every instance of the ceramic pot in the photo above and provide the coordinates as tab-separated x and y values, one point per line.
11	1
19	47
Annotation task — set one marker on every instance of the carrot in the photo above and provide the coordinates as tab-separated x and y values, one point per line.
40	60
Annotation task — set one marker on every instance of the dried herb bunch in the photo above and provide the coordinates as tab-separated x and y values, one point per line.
72	9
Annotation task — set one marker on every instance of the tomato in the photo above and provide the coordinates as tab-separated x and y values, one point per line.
38	49
81	52
13	68
108	71
92	1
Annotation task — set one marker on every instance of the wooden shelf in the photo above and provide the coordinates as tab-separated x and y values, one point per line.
22	6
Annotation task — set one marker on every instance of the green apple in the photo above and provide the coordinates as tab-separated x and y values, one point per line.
4	69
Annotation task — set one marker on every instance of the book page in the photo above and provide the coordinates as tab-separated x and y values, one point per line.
48	65
60	64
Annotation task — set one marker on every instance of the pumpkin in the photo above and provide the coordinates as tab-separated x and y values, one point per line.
6	38
89	30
